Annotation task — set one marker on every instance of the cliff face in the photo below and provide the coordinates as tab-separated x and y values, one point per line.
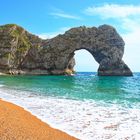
15	44
24	53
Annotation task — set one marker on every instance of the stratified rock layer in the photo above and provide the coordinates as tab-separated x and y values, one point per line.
24	53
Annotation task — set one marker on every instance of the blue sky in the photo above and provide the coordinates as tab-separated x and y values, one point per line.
48	18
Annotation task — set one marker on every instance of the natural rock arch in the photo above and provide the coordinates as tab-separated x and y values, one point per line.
56	56
104	43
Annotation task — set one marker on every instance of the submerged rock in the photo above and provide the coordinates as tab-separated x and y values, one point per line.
24	53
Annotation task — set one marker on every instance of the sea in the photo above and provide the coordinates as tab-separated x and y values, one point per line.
84	105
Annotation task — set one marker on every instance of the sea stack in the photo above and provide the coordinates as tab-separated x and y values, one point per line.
24	53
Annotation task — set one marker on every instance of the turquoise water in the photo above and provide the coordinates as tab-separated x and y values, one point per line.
86	106
79	87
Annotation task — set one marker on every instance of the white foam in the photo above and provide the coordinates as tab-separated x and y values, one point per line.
1	85
87	120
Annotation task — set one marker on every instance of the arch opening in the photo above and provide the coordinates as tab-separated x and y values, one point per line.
84	61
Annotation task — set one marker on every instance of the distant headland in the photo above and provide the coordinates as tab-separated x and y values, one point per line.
24	53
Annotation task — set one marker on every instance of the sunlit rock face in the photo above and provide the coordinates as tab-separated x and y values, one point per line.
24	53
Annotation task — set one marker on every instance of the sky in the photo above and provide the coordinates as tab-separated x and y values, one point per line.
48	18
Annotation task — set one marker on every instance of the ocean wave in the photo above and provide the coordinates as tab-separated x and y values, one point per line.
1	85
86	120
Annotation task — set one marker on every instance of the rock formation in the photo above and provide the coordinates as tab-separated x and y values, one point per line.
24	53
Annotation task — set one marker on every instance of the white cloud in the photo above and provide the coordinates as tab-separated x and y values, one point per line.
47	35
130	24
114	10
61	14
53	34
65	15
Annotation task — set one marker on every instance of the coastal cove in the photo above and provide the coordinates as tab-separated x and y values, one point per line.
69	70
86	106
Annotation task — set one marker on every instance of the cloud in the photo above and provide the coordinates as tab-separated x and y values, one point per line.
61	14
64	15
114	10
130	24
53	34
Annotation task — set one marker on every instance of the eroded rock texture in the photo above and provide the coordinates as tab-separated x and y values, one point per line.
24	53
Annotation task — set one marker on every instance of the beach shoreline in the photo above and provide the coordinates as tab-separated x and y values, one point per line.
17	123
83	106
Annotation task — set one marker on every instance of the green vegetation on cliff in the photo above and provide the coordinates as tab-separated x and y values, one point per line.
16	44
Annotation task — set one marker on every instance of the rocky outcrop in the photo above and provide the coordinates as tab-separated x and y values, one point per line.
24	53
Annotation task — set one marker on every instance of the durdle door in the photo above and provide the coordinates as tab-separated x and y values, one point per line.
24	53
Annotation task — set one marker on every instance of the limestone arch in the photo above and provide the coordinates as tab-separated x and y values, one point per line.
25	53
104	43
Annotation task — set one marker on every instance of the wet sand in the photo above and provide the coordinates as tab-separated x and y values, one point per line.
18	124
